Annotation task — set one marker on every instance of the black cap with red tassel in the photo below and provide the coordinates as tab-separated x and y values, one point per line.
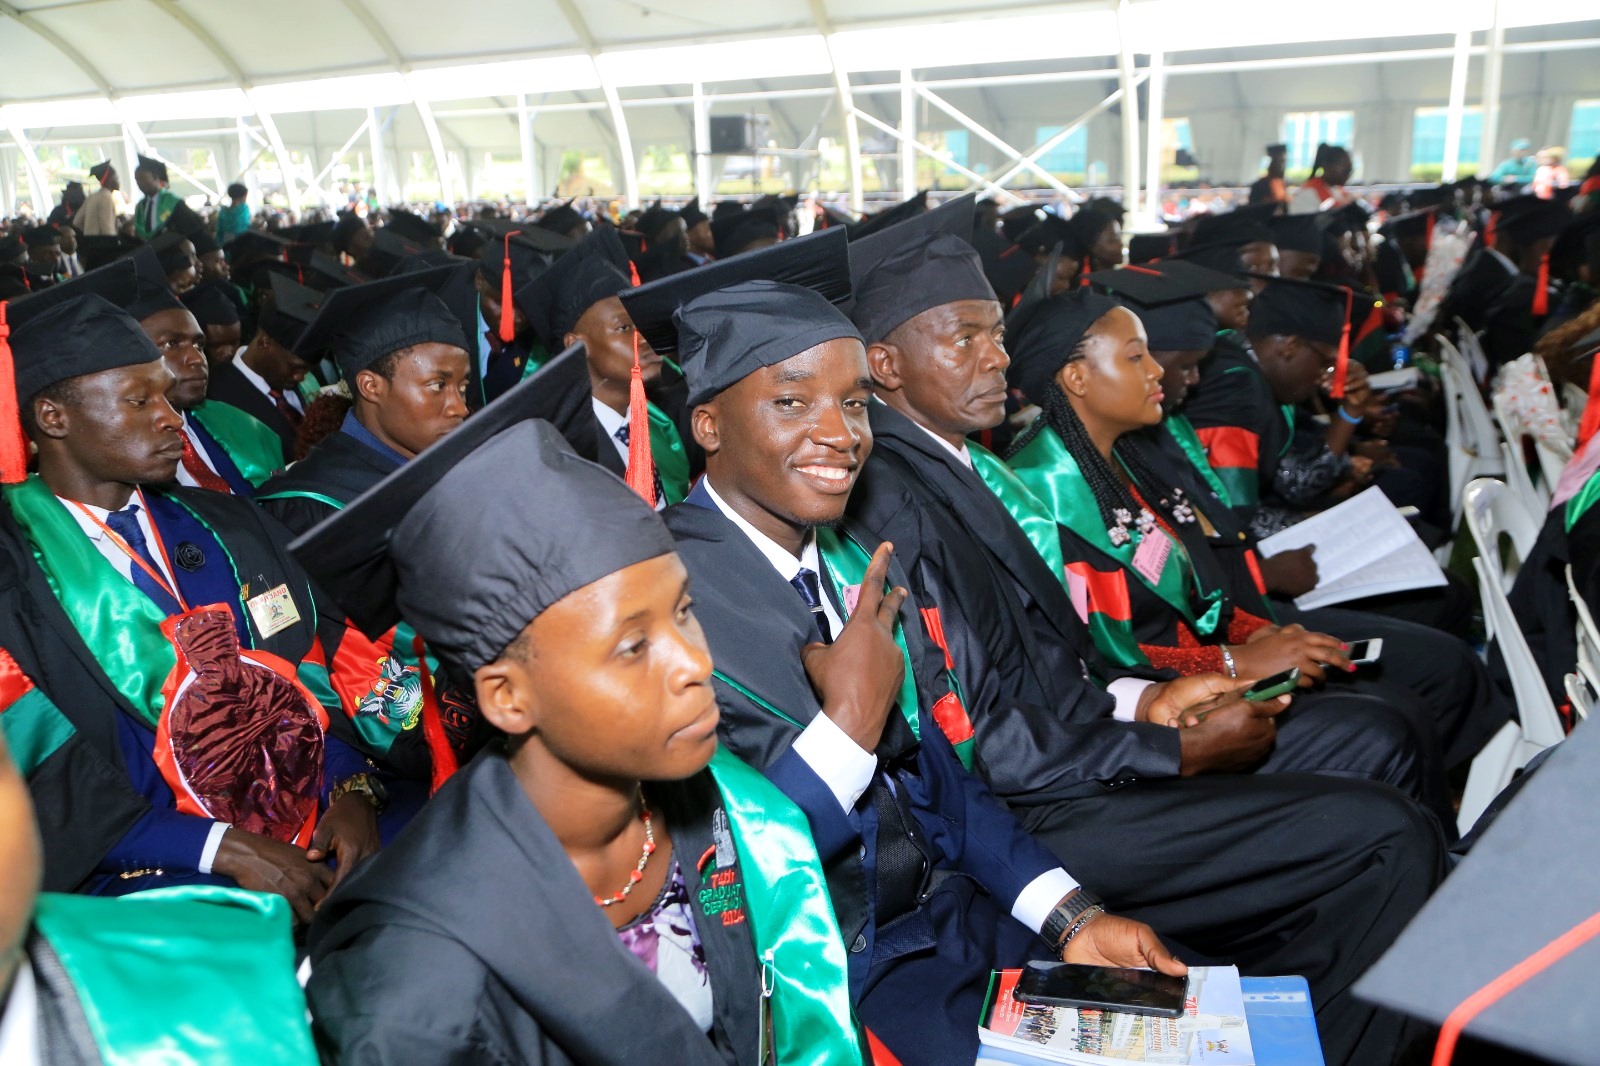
13	443
508	308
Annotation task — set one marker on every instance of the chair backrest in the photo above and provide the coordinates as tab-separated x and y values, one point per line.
1580	694
1535	498
1574	399
1472	445
1536	711
1587	632
1471	348
1493	511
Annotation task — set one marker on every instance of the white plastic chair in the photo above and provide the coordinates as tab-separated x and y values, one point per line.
1492	512
1574	399
1471	441
1471	349
1534	498
1580	694
1588	636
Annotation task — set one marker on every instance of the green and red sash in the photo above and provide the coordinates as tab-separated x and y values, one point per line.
1582	500
805	970
34	727
254	448
1052	474
666	448
1183	431
1233	454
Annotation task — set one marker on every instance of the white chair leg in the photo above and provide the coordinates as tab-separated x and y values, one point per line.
1492	770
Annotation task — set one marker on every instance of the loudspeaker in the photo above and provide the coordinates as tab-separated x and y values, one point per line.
731	134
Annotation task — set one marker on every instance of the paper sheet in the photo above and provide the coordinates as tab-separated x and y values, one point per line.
1363	548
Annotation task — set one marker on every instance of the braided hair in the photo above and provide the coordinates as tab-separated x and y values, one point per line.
1110	494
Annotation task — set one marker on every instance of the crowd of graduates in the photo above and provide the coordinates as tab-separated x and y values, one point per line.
727	636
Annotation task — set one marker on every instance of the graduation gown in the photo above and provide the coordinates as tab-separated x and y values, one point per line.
232	388
80	758
918	976
473	940
1482	280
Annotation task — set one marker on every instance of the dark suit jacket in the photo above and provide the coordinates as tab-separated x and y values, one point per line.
756	626
1044	731
472	939
232	387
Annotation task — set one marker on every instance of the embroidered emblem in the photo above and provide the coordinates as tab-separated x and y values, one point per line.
190	557
395	698
723	838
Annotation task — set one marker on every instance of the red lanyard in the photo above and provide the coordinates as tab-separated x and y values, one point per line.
155	536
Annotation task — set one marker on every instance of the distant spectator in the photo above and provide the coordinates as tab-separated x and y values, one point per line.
1520	168
234	218
1552	173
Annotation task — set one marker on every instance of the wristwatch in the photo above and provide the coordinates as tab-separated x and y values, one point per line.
1068	911
366	785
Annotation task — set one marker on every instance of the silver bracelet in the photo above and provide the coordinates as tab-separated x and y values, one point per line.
1077	927
1227	662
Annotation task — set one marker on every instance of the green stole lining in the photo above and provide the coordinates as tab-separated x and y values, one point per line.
666	448
797	937
1582	500
1026	509
223	954
254	448
1182	431
1052	473
120	624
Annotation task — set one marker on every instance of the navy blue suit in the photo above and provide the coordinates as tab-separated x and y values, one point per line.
917	979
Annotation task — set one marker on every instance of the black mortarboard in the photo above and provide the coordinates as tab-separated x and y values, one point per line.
413	228
63	339
1277	149
1242	225
900	212
210	304
252	246
204	243
168	246
425	260
1088	221
560	219
558	297
289	311
38	236
1297	233
1414	224
1017	221
726	207
1539	856
1051	231
361	324
1443	196
1143	247
654	219
1308	309
1577	244
543	524
1528	218
117	283
99	170
691	214
1044	339
388	250
1168	300
1185	325
347	226
530	248
153	166
1222	256
1105	205
468	241
323	271
96	252
312	233
152	295
734	232
928	261
732	317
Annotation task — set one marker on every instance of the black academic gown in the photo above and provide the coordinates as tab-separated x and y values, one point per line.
1542	607
231	387
1482	280
82	792
473	940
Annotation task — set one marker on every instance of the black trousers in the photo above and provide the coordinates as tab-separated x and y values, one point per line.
1276	873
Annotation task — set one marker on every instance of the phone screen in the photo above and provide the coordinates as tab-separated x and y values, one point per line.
1365	651
1276	685
1102	988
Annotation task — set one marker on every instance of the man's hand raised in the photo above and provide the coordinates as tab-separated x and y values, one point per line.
858	676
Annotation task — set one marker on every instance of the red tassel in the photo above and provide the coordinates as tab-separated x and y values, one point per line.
1591	410
633	272
641	475
13	443
1428	239
443	755
1541	287
508	309
1083	274
1488	230
1341	366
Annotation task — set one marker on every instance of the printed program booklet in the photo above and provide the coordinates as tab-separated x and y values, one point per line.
1212	1029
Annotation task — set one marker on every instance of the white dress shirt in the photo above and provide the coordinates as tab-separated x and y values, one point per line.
19	1025
612	423
260	383
842	764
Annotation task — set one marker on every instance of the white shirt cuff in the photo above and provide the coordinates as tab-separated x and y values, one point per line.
1035	902
841	763
1127	691
208	854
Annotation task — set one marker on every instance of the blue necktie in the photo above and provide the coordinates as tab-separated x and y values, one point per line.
623	436
810	590
125	524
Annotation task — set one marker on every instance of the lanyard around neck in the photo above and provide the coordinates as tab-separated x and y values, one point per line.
155	536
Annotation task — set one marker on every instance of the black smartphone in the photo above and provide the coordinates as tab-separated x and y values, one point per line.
1062	984
1276	685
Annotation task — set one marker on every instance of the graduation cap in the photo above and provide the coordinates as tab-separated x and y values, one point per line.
900	212
311	233
829	217
1578	243
54	342
516	255
348	225
204	243
544	523
654	219
1412	224
427	260
733	232
561	219
1143	247
169	251
554	301
1045	338
1105	205
1313	310
927	261
117	283
1054	230
324	271
1297	233
288	311
363	323
1523	978
1169	300
95	252
726	207
691	214
152	293
1017	221
99	171
155	167
413	228
1526	219
252	246
730	318
41	236
468	241
1088	222
1242	225
210	304
1277	149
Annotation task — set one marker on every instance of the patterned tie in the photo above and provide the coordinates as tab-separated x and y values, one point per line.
202	474
809	587
623	436
125	524
285	408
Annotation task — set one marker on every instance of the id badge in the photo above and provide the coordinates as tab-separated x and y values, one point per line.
273	611
1151	556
